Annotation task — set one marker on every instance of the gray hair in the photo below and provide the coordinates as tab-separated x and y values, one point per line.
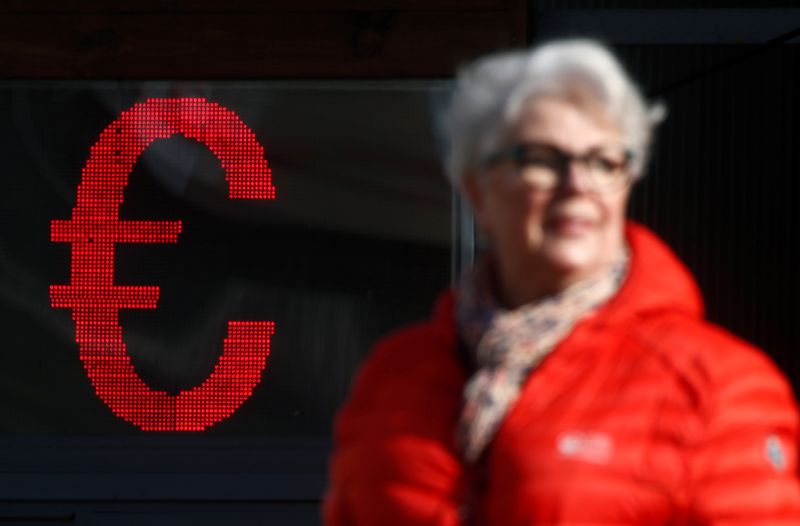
490	95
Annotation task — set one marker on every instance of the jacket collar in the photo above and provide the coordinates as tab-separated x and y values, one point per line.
657	280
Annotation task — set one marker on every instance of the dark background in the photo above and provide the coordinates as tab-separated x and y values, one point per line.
722	188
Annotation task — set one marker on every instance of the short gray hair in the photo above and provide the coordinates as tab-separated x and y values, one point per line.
491	92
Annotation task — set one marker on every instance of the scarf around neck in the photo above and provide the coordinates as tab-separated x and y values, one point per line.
506	346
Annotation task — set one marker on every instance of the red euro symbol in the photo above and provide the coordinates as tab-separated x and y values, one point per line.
95	229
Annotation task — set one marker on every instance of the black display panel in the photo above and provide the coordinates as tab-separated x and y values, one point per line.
157	278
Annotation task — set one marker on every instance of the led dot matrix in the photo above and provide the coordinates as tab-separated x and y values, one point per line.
95	229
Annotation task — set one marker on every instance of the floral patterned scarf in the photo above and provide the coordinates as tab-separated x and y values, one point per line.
507	345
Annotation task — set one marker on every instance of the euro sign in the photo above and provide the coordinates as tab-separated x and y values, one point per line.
94	231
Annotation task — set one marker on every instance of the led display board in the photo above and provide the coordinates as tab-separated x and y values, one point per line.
212	258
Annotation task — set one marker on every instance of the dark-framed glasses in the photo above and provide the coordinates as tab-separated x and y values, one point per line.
543	166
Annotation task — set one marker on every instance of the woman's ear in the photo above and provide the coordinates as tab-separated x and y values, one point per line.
472	190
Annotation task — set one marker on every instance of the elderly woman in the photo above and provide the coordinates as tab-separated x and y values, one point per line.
570	378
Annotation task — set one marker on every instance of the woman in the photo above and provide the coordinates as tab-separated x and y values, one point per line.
570	378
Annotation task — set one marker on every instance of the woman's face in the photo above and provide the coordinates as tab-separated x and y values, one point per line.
562	234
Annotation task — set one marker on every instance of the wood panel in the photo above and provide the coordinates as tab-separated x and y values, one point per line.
241	45
253	6
210	39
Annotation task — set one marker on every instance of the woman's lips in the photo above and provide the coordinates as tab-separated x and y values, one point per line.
569	226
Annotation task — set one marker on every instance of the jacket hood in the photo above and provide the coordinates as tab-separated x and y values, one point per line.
657	282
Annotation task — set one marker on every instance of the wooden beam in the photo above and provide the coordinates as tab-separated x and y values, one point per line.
248	6
284	44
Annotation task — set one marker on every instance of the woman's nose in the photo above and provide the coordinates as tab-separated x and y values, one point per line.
574	176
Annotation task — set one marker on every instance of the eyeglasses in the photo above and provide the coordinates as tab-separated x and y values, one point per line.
544	166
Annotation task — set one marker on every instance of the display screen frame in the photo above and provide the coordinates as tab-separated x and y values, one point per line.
181	467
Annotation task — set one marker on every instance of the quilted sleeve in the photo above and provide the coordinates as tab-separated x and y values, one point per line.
393	462
744	467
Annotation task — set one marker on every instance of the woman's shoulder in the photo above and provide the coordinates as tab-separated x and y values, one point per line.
407	346
713	362
742	441
409	375
422	350
394	460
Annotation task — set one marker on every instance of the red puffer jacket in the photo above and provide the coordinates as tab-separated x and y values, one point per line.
644	414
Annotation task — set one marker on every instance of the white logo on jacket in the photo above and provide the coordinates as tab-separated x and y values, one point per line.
774	453
590	446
